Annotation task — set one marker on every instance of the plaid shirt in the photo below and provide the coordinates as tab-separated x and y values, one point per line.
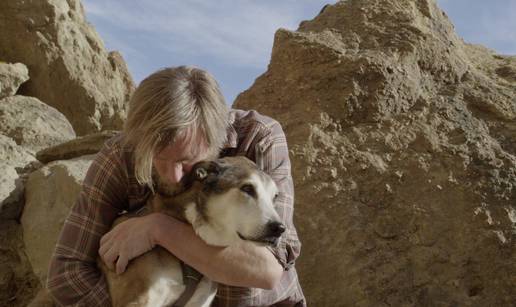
110	187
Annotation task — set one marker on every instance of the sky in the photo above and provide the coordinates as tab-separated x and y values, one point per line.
232	39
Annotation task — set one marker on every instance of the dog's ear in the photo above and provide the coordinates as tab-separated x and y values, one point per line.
201	173
203	169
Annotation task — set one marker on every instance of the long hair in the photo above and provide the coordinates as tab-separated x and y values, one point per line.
173	101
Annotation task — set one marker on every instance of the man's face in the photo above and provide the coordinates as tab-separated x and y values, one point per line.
177	160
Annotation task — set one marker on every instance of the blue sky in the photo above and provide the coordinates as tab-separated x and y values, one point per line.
233	39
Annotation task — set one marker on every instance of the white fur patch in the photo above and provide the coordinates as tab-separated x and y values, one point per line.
164	292
204	294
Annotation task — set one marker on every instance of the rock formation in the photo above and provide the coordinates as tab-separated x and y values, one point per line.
14	161
81	146
11	77
17	281
69	66
402	140
32	123
73	81
50	193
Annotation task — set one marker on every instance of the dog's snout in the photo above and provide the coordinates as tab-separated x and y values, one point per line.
275	229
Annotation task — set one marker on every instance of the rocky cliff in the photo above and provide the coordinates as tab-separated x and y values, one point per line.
402	139
56	81
70	69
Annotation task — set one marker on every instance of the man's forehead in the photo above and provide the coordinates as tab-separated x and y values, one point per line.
184	148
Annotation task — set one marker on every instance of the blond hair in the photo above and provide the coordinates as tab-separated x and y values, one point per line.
178	100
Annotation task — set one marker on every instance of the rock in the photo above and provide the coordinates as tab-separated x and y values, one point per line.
419	129
17	281
15	163
11	192
86	145
32	123
42	299
70	68
50	192
11	77
13	154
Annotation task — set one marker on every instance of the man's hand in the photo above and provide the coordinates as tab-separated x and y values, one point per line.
128	240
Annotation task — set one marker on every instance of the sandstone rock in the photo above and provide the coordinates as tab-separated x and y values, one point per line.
86	145
33	124
17	282
11	192
13	154
70	68
15	162
50	192
42	299
11	77
402	143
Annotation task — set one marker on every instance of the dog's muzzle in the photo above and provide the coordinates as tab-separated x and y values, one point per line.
272	233
275	229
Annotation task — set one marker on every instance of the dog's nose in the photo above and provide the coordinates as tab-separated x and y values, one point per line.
275	229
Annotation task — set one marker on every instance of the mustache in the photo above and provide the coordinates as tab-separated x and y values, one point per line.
165	187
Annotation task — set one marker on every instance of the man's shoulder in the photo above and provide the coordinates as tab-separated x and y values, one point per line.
116	143
116	149
256	130
251	118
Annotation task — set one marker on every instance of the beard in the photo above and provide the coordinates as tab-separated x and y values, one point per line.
164	187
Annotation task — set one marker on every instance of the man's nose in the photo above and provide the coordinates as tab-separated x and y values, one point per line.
176	173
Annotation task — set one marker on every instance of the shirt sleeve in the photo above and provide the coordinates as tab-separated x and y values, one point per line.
74	279
272	157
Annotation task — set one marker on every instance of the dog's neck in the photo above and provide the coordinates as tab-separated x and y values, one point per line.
176	205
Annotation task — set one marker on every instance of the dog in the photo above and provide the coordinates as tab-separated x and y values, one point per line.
226	201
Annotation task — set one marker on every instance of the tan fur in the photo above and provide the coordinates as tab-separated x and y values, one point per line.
132	286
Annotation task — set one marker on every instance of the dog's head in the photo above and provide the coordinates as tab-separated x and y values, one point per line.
235	202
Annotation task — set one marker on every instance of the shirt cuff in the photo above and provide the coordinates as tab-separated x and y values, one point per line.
284	253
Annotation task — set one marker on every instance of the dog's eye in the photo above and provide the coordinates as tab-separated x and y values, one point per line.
249	190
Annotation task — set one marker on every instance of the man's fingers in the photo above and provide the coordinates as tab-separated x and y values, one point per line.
121	263
106	237
105	246
110	257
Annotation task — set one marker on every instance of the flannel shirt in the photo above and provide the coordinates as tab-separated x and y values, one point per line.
110	187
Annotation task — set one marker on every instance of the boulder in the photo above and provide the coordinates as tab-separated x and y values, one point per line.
15	163
11	77
42	299
70	68
401	138
18	283
33	124
50	192
85	145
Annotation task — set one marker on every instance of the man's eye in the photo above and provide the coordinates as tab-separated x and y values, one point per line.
249	190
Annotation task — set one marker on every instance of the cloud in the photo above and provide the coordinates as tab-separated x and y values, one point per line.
487	23
236	32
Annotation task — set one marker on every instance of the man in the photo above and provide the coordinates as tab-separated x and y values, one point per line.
177	117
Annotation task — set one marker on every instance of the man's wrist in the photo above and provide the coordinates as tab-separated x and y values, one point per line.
163	225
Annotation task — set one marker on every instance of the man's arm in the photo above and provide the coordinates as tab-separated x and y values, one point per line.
243	265
74	278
